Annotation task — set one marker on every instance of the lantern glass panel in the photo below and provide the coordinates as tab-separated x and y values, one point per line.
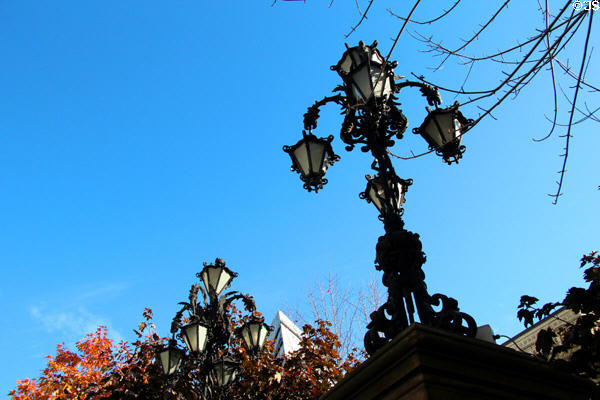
356	55
442	128
262	335
316	152
194	336
346	63
246	337
376	57
382	86
326	162
301	156
401	190
431	133
457	129
254	331
361	84
365	78
210	276
376	194
224	280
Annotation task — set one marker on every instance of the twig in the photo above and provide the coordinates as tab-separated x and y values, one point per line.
446	12
568	139
553	81
362	18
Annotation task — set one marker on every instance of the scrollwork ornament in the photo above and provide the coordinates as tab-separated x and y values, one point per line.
450	317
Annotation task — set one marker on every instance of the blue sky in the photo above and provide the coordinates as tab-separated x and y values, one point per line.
140	139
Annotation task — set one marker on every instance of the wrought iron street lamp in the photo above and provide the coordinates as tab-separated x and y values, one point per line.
372	120
208	335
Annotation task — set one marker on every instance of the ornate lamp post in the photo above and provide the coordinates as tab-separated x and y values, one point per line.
209	365
372	120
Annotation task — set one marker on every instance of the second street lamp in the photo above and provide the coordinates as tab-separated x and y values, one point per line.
210	363
372	121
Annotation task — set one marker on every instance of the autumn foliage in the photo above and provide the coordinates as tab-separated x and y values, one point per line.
72	375
95	366
307	373
99	369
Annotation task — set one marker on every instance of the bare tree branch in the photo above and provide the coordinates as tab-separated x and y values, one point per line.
362	18
484	27
348	310
402	29
568	135
446	12
553	126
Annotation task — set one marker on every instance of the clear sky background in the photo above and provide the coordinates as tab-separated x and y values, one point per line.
139	139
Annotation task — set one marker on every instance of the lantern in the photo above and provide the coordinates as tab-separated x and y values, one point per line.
254	334
442	129
311	157
365	73
225	371
216	277
386	196
195	336
170	358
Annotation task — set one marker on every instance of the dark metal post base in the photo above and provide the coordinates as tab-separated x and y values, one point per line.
400	257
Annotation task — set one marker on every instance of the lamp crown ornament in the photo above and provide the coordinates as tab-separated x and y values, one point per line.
373	121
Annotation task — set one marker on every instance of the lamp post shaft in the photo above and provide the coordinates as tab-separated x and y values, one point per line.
398	254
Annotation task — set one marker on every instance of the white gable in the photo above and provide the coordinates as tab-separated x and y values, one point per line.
285	334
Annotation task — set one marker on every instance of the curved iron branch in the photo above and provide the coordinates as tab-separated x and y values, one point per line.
428	91
312	114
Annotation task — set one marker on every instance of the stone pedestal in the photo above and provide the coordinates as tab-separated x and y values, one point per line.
425	363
